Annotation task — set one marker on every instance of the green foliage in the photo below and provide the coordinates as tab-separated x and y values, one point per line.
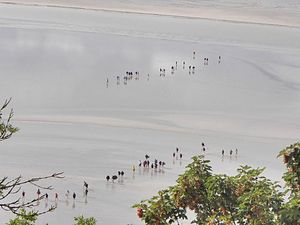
290	212
246	198
80	220
6	128
24	218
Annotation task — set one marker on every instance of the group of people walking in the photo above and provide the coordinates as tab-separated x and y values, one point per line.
129	75
230	152
115	177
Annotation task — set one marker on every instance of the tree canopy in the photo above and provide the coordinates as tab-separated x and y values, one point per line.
246	198
10	187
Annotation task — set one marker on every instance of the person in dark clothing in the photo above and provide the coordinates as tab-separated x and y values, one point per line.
114	177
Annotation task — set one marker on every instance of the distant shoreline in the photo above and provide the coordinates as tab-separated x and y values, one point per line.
205	13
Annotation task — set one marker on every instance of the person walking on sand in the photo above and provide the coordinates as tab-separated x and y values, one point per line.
222	152
173	154
107	178
67	194
114	177
180	155
236	151
38	193
85	185
74	195
231	152
177	150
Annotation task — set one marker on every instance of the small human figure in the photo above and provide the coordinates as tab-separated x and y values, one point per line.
133	168
177	150
119	173
203	144
46	200
204	149
114	177
236	151
140	163
148	77
85	185
147	156
47	196
173	154
67	194
122	173
230	152
152	166
74	197
86	192
180	155
107	178
38	193
56	197
222	152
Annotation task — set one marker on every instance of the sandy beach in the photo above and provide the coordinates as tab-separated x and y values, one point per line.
55	63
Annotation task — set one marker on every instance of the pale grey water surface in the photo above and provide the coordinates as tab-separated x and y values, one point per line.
55	64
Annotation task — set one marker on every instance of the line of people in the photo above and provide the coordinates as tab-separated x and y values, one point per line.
162	71
230	152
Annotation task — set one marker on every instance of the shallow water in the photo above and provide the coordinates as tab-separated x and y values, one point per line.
55	69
